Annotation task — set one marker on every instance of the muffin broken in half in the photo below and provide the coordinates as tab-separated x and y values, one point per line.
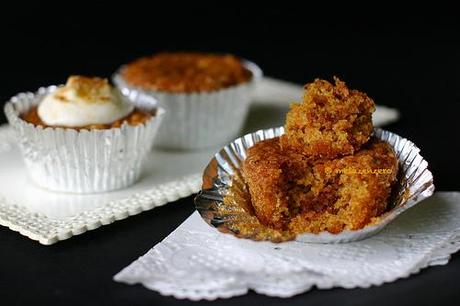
289	193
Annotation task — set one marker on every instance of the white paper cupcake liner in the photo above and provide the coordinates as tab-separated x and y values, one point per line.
84	161
414	185
195	120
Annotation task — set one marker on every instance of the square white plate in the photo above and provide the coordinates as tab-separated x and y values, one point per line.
49	217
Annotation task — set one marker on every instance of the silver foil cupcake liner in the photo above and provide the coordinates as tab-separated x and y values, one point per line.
80	161
415	183
192	121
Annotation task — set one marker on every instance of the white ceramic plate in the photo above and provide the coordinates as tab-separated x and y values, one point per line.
49	217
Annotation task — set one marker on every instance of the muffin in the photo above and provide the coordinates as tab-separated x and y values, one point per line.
333	195
326	173
195	89
83	137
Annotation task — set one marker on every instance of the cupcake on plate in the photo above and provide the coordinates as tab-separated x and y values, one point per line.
206	96
83	137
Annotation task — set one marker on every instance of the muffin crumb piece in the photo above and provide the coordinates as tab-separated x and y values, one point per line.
331	121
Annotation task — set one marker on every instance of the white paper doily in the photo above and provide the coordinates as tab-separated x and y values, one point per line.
49	217
198	262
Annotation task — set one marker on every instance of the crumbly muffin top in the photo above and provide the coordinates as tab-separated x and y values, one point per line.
92	89
186	72
331	121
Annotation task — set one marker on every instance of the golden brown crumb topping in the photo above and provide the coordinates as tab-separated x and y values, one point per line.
88	88
137	116
186	72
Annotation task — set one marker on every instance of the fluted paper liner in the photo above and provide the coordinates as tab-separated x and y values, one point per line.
80	161
195	120
414	185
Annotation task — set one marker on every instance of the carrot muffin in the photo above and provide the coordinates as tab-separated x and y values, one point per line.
343	193
82	137
331	121
186	72
195	89
325	173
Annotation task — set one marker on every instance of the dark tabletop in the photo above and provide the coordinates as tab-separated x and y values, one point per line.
407	61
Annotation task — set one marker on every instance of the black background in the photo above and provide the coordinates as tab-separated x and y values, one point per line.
408	60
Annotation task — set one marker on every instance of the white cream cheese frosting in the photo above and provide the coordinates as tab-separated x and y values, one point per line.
83	101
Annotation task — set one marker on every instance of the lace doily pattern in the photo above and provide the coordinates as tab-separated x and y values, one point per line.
198	262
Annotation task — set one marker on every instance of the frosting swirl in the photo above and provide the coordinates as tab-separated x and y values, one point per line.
83	101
